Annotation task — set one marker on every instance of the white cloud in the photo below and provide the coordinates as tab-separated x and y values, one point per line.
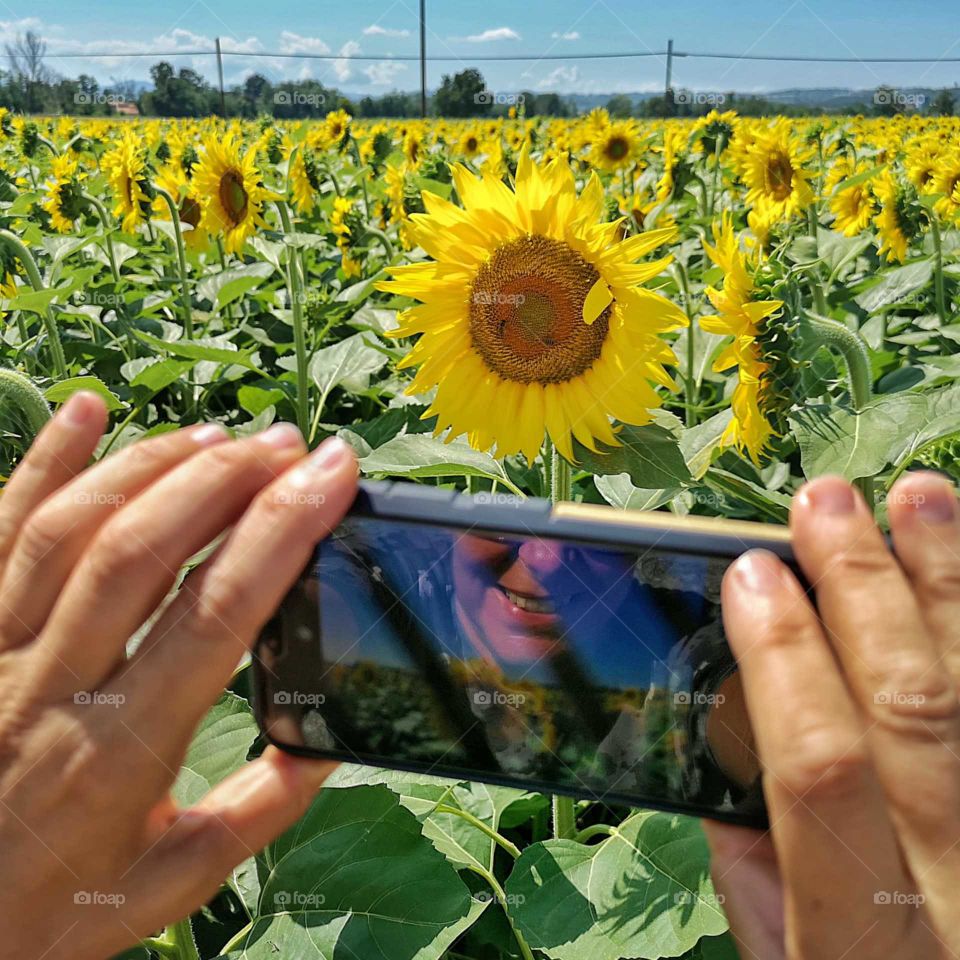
384	73
488	36
294	43
342	67
569	35
559	77
375	30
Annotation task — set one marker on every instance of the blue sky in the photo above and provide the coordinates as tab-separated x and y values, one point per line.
466	29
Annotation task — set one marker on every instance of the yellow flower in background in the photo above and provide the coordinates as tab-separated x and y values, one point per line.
231	195
126	168
171	177
674	140
305	179
532	318
743	318
774	171
65	202
343	222
616	146
899	219
854	206
946	181
336	125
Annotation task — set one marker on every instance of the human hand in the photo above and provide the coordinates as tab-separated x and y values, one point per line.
856	721
96	853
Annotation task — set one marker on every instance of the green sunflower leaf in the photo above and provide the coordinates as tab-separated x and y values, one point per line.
644	892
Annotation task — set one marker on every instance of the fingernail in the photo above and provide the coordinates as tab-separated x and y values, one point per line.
936	503
331	453
830	495
758	571
328	456
280	436
209	434
80	407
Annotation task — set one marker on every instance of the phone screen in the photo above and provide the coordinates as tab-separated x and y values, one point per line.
525	659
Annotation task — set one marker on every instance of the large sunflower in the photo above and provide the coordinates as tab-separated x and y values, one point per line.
743	318
129	175
774	171
532	316
65	202
230	191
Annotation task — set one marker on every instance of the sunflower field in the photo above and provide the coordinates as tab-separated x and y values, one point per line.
683	315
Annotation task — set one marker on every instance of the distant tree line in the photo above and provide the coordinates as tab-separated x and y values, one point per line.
29	86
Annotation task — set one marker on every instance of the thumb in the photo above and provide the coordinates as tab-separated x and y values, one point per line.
743	864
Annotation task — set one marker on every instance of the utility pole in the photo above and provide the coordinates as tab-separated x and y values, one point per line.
668	90
223	99
423	58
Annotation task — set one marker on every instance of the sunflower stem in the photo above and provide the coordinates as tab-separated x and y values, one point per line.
384	240
107	226
819	300
561	488
180	938
299	333
20	251
938	270
851	347
182	260
690	376
19	391
363	180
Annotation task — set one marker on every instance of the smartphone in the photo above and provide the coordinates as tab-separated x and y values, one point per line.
573	649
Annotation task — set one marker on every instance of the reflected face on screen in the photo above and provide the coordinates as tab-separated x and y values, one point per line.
521	596
545	661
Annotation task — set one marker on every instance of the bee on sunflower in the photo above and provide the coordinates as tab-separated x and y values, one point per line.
775	173
65	201
756	402
230	191
532	317
129	175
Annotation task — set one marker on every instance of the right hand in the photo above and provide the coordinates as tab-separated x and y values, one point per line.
857	723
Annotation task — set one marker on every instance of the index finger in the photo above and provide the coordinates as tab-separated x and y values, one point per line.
61	450
826	809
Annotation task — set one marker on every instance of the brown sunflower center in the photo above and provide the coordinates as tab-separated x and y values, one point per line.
233	196
526	312
779	175
617	148
190	212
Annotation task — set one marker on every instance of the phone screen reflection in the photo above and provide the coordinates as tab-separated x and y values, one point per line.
551	661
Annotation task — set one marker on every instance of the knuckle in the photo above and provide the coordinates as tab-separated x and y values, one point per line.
914	696
940	581
216	609
863	563
826	766
40	535
117	549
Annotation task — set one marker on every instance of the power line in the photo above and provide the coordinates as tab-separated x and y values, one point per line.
469	58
